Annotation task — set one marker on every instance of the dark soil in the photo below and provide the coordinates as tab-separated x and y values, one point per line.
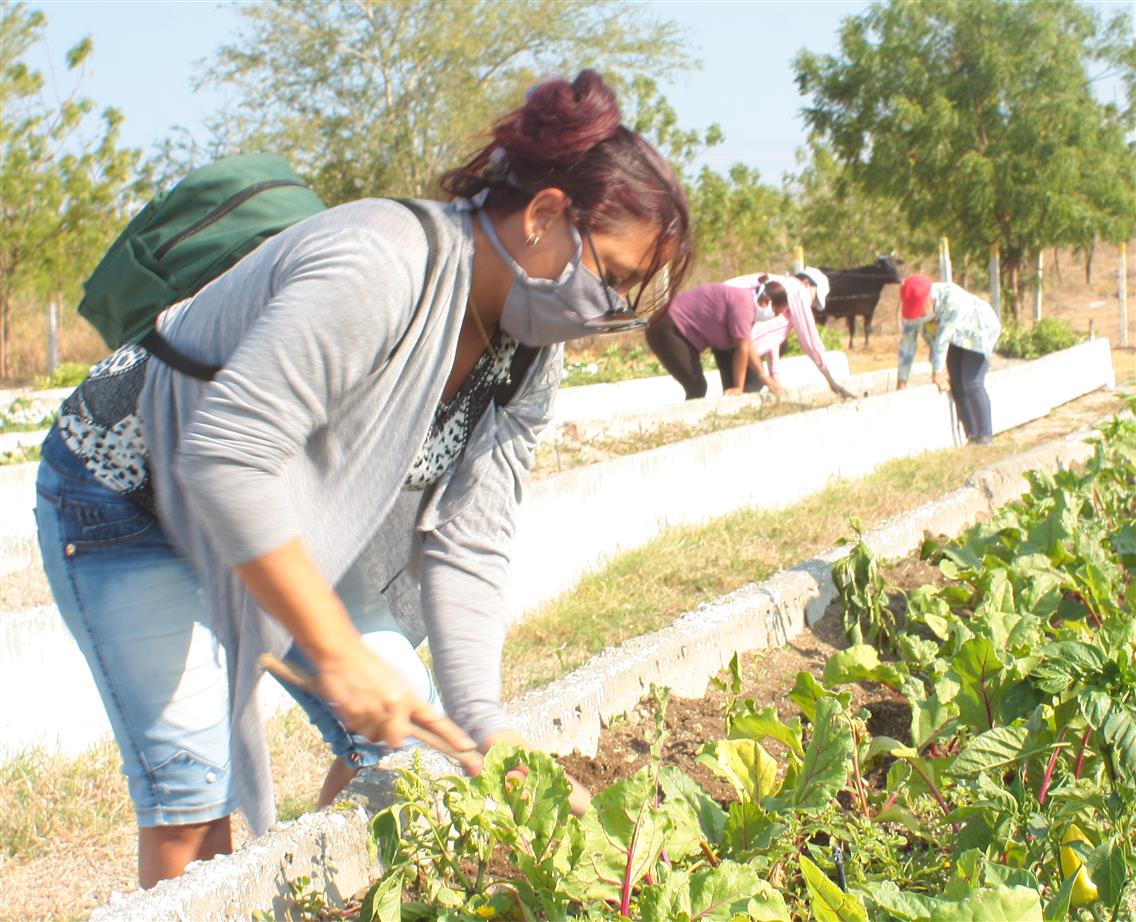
767	677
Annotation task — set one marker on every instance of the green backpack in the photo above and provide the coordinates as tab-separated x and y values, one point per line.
186	237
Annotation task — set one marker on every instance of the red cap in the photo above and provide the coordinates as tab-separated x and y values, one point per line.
913	294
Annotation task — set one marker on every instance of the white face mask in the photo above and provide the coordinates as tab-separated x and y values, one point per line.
761	312
540	312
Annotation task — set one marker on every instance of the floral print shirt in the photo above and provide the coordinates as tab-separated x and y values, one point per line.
955	317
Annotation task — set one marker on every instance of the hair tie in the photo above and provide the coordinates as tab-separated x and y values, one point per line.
497	169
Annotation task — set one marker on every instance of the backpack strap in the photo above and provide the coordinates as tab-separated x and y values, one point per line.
166	353
523	357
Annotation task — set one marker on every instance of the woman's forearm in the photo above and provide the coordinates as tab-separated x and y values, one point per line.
742	350
289	586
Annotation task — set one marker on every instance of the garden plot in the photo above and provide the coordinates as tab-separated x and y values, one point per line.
779	597
971	755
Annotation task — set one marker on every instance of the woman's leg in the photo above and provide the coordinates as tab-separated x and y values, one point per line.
678	357
968	375
133	606
164	851
955	377
974	368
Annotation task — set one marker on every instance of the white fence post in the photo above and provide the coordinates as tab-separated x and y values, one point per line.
1122	291
52	337
1037	297
995	279
945	259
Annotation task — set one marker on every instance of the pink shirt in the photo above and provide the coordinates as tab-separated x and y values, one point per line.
713	316
768	336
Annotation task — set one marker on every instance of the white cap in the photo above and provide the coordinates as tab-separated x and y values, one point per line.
820	280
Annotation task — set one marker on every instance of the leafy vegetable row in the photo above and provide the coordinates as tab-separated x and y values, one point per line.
1013	795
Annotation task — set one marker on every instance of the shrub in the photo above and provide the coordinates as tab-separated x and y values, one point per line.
1047	335
833	340
68	374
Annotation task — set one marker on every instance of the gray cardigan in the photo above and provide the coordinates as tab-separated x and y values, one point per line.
336	337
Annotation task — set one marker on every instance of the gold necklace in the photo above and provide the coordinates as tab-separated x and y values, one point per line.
481	327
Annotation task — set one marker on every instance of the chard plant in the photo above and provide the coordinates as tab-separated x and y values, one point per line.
1012	795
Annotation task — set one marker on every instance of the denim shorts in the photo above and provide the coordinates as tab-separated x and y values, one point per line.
136	609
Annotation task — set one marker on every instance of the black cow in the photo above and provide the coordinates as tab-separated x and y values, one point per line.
855	293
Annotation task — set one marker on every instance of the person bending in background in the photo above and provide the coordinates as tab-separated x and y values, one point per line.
791	299
712	316
961	330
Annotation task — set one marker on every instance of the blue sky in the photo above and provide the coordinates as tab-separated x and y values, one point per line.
146	55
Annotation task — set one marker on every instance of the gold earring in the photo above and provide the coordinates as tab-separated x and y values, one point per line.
533	239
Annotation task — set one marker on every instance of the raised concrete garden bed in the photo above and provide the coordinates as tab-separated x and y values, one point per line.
330	847
625	501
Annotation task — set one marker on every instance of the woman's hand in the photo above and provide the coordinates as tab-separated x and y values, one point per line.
372	699
578	797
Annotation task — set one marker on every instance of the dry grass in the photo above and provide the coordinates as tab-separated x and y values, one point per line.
67	834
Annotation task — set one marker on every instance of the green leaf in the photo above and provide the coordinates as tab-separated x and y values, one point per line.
993	750
907	907
383	900
748	723
828	902
979	671
749	828
731	890
623	835
862	664
744	764
1063	664
678	787
826	763
1057	909
667	900
930	716
1107	869
1004	904
1116	724
533	787
807	690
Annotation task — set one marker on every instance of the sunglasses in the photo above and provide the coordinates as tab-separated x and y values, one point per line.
622	314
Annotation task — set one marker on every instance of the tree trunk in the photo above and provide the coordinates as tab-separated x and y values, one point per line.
5	336
1013	269
1089	254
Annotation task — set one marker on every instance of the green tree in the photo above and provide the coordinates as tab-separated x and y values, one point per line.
742	224
62	192
837	222
379	96
979	120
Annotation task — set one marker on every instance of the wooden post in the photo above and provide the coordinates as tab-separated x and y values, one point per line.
995	279
799	259
1122	292
52	337
945	259
1037	297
